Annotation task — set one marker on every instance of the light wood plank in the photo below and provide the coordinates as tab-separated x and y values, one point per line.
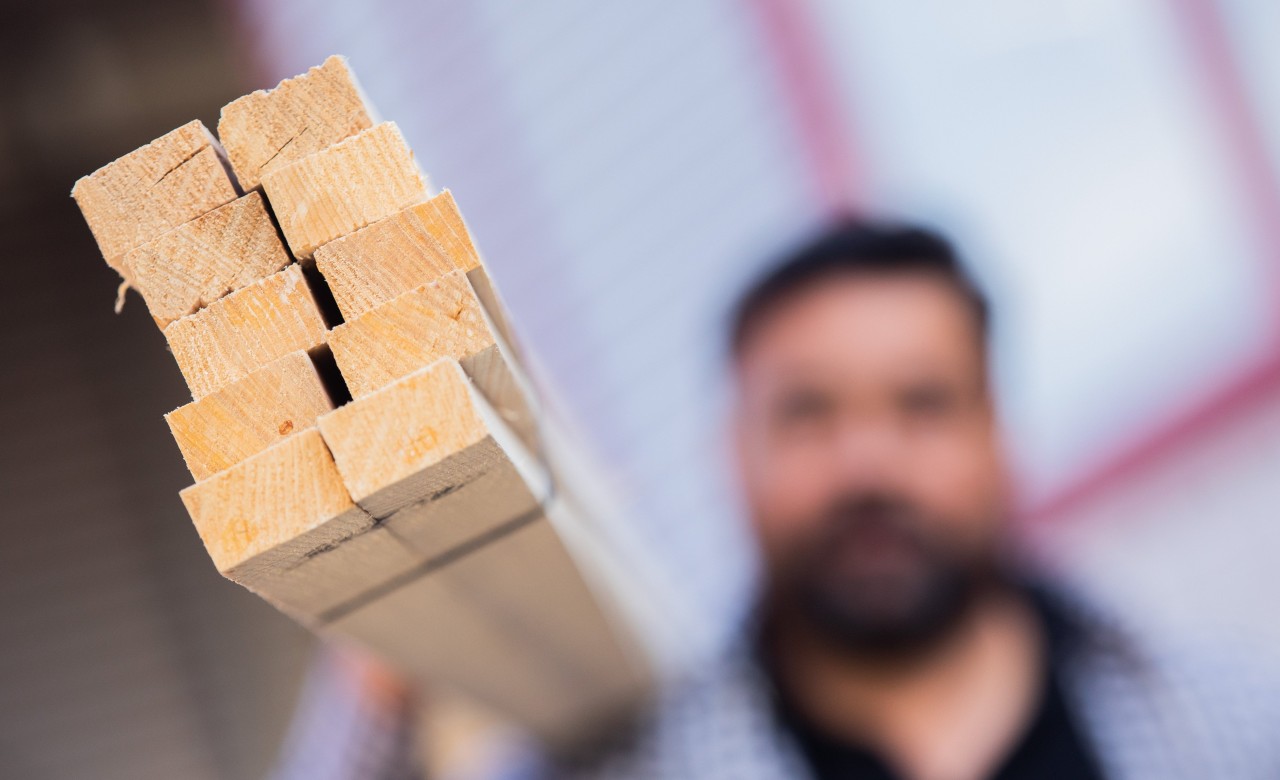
249	415
200	261
396	254
497	606
495	310
438	319
244	331
269	129
385	444
339	190
512	625
421	457
273	511
153	189
282	524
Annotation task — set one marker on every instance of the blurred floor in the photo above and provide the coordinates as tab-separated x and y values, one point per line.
124	654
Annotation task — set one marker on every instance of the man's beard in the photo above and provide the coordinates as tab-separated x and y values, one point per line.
877	585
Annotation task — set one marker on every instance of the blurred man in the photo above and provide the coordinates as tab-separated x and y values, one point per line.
895	635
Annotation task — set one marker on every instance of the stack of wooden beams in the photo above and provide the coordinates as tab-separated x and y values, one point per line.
363	441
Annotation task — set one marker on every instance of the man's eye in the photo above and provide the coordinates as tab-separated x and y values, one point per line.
928	400
804	407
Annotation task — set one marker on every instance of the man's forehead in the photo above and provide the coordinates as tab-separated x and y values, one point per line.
884	316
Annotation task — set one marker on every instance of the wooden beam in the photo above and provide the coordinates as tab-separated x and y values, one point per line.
341	189
153	189
441	318
249	415
396	254
200	261
399	432
272	521
246	330
269	129
496	605
495	310
511	624
427	518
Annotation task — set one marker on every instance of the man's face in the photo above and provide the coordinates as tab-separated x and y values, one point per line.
869	457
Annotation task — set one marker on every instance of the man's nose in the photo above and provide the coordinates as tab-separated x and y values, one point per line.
869	450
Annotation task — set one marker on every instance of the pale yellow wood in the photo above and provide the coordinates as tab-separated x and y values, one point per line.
396	254
439	319
266	510
495	310
268	129
249	415
504	388
200	261
341	189
419	518
282	524
471	493
513	625
397	433
497	606
153	189
245	330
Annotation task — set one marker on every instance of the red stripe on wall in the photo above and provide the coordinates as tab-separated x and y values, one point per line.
1245	146
809	90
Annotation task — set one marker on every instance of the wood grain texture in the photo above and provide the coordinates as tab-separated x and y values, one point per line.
244	331
396	254
343	188
483	491
269	129
273	509
202	260
512	624
495	309
385	443
153	189
438	319
496	607
506	391
247	416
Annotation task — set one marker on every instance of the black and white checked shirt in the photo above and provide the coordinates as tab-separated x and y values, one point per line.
1149	713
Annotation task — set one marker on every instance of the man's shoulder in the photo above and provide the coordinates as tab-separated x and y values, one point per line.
716	723
1154	697
1153	704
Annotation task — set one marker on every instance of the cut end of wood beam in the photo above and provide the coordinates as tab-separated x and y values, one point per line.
153	189
268	129
269	511
397	433
439	319
249	415
246	330
339	190
396	254
200	261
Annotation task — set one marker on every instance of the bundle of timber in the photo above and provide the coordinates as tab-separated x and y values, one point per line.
367	451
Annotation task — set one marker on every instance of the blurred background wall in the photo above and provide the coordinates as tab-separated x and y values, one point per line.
1109	166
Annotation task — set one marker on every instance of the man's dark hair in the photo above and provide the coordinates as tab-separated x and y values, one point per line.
860	247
